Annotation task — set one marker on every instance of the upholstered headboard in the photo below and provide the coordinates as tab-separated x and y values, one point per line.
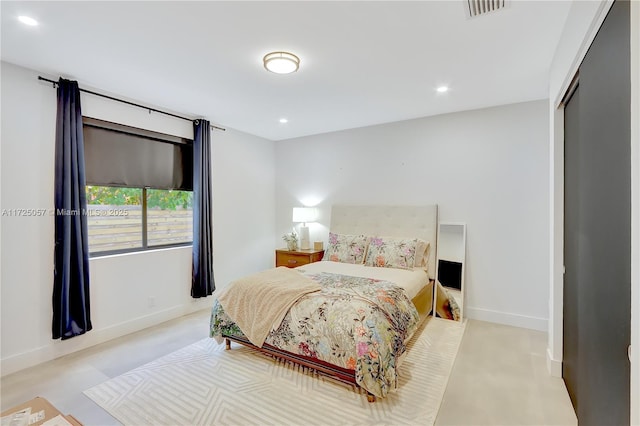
390	221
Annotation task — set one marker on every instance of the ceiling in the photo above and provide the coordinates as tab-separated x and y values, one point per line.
362	63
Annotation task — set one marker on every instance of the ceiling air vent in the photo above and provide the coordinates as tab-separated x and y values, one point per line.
480	7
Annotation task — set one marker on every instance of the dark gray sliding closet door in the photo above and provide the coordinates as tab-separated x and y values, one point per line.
597	311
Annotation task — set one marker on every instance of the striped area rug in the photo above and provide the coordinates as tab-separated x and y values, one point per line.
202	384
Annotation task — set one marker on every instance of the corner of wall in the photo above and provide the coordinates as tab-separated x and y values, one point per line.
554	366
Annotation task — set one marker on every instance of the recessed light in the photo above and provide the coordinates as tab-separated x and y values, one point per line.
281	62
284	120
27	21
442	89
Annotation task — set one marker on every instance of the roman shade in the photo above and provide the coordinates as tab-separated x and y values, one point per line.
119	155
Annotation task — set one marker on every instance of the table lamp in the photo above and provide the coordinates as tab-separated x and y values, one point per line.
304	215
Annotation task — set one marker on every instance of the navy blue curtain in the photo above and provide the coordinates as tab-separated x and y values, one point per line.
202	283
71	313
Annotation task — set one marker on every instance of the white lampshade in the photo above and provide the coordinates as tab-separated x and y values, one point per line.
304	214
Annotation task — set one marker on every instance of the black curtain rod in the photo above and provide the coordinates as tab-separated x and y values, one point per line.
131	103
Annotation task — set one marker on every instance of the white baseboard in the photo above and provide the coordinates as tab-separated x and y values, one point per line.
554	366
506	318
58	348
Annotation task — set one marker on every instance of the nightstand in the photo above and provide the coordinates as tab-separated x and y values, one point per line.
291	259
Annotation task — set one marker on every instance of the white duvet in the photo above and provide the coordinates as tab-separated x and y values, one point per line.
411	280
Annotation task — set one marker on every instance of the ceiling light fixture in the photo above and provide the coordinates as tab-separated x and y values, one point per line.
442	89
284	120
27	21
281	62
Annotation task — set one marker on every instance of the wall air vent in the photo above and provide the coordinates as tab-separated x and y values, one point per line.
480	7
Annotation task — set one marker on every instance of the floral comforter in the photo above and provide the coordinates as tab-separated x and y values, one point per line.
356	323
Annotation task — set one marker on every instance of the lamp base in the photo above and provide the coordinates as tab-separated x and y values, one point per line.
305	244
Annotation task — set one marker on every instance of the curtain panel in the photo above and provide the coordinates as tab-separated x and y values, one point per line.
71	310
202	283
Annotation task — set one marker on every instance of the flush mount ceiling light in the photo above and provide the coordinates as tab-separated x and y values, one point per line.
281	62
442	89
27	21
284	120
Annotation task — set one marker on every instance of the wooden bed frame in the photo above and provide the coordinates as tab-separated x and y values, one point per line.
392	221
333	371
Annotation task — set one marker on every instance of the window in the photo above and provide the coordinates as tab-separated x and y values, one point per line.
169	217
129	219
139	188
114	219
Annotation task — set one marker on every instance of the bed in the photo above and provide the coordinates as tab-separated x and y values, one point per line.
349	320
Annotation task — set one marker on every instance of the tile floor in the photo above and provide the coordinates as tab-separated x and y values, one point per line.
499	377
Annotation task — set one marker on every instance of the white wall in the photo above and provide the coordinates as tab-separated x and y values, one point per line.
488	168
243	186
243	205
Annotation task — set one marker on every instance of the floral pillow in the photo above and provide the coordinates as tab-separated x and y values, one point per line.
346	248
391	252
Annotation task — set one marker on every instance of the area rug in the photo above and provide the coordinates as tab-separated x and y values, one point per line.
202	384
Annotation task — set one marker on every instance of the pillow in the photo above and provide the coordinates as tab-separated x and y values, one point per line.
387	252
422	253
346	248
